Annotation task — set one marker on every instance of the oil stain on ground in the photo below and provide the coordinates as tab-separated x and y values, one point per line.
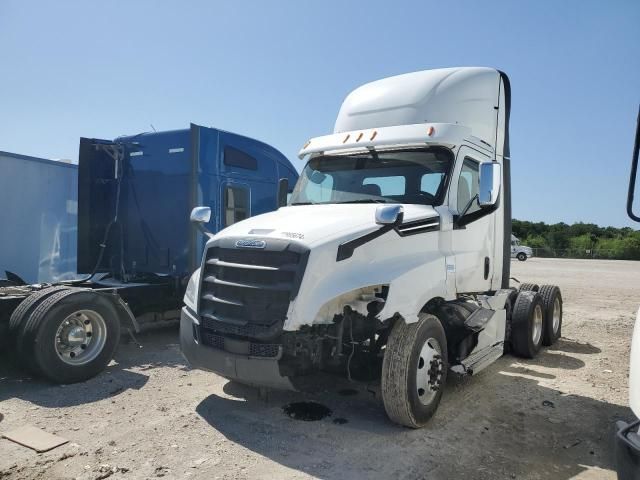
306	411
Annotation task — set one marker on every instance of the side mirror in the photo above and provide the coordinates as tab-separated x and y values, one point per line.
283	189
200	215
389	214
490	181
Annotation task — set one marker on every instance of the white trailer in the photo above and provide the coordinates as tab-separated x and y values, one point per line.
394	248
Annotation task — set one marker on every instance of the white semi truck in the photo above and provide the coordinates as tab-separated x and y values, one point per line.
394	250
627	439
521	252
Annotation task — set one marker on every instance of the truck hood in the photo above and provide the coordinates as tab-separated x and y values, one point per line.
310	224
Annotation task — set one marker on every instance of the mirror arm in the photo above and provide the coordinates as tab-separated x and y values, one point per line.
204	229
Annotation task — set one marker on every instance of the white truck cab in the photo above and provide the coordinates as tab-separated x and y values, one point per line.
627	438
394	250
521	252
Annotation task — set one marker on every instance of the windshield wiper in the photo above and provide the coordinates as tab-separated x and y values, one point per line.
367	200
301	203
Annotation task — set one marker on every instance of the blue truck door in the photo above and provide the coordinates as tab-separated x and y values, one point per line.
235	202
204	185
250	165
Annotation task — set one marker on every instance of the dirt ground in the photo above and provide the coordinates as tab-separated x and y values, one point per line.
150	416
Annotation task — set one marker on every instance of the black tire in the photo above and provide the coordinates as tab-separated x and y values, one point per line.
27	306
529	287
20	316
402	360
549	294
522	256
39	335
527	308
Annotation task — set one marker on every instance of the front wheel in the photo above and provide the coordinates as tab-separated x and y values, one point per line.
414	370
522	256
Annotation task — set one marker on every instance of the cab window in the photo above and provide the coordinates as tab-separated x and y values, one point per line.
468	185
430	183
385	186
237	158
236	204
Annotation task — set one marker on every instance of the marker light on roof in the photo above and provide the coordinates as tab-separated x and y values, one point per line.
431	131
346	138
373	135
359	137
306	144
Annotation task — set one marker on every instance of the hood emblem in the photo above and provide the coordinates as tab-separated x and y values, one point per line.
250	243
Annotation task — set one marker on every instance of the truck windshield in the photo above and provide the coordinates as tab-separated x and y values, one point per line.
401	176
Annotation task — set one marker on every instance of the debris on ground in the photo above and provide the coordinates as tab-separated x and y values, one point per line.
35	438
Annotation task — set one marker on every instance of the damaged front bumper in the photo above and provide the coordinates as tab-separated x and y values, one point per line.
232	359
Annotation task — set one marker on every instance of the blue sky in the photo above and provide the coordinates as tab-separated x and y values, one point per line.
279	70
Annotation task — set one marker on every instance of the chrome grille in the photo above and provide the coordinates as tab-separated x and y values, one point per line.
246	292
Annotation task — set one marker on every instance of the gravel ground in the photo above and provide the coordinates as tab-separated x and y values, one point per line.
150	416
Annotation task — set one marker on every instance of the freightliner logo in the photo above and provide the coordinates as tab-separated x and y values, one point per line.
251	243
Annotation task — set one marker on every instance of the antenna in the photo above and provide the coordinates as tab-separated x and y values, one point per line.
154	128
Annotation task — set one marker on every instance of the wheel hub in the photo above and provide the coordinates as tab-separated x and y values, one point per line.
74	336
430	371
536	331
80	337
435	372
556	315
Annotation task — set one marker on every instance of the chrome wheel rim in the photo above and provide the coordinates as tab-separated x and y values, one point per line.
556	315
80	337
429	371
537	325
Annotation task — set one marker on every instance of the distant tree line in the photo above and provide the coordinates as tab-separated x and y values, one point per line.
580	240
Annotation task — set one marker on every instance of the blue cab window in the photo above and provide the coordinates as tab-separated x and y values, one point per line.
236	205
237	158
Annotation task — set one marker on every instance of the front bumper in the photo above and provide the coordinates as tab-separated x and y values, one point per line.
234	365
627	446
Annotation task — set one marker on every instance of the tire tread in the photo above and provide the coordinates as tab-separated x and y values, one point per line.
548	294
521	323
397	366
395	375
27	338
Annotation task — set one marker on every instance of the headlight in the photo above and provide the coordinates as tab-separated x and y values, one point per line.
191	294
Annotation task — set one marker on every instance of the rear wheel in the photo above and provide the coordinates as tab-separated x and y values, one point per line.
71	336
414	370
18	320
552	302
522	256
527	324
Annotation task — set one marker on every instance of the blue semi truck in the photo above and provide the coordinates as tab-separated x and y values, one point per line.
135	245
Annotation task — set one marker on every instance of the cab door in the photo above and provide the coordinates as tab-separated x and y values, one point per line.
473	235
